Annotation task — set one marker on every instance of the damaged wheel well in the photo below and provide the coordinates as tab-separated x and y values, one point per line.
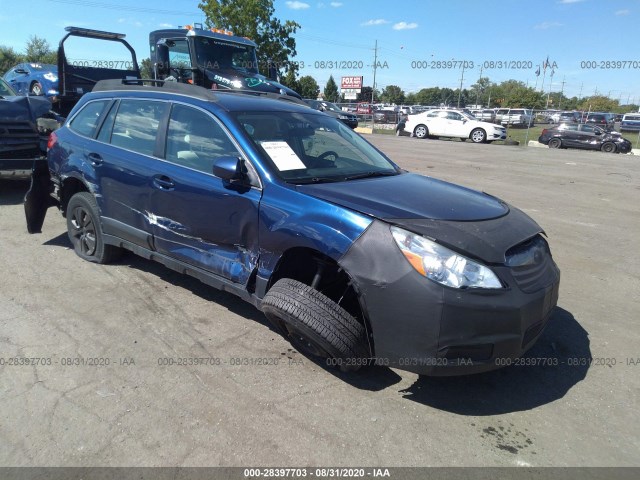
70	187
321	272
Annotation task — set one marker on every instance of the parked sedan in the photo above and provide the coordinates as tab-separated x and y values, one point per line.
33	79
590	137
451	123
334	111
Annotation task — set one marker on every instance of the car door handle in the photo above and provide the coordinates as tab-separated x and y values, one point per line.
95	159
163	182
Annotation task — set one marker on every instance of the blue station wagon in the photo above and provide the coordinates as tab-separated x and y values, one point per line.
351	258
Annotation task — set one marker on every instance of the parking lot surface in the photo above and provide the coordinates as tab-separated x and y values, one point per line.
117	382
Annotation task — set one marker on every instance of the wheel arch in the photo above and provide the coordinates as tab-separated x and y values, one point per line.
304	264
69	186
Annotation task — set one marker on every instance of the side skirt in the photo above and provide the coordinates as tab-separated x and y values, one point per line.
204	276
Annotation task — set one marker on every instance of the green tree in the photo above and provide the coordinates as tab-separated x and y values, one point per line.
365	95
392	94
290	80
308	87
38	50
479	90
331	90
598	103
255	19
410	98
146	68
9	58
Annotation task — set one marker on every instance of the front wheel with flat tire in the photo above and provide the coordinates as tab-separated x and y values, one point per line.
478	135
85	231
315	325
608	147
555	143
421	131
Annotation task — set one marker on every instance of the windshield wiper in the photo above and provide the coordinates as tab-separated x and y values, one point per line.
304	181
370	175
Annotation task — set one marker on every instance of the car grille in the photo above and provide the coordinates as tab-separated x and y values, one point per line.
531	264
18	140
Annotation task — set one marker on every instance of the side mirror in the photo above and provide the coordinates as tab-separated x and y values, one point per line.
230	169
161	65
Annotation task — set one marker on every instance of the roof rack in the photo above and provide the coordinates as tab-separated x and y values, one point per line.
155	85
271	95
184	88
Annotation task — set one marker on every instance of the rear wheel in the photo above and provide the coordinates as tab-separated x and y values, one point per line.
85	231
478	135
555	143
315	325
36	88
421	131
608	147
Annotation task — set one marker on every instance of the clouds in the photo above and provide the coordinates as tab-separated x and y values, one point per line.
622	13
297	5
547	25
396	26
405	26
378	21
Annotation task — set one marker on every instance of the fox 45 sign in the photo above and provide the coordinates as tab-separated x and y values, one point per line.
351	82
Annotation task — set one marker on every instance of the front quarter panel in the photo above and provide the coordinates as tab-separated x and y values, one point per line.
290	219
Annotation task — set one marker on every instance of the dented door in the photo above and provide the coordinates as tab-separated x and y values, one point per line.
196	217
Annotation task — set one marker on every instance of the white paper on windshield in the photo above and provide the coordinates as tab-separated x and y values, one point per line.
283	156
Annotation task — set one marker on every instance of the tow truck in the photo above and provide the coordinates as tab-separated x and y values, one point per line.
213	59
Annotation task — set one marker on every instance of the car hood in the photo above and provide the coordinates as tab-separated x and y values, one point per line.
410	196
19	108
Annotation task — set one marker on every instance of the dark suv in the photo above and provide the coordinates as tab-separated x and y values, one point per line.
334	111
25	124
353	259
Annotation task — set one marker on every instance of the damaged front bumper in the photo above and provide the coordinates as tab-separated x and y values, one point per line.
426	328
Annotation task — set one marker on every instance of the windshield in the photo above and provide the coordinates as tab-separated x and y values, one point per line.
313	148
219	54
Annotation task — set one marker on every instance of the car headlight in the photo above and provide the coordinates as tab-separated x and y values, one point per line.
52	77
343	117
442	265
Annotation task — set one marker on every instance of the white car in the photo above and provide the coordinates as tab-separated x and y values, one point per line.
452	123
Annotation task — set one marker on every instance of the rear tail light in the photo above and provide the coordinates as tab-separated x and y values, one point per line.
53	139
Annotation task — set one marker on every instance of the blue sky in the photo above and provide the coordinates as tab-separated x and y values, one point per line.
568	32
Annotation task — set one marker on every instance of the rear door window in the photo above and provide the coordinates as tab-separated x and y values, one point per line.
86	121
136	125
